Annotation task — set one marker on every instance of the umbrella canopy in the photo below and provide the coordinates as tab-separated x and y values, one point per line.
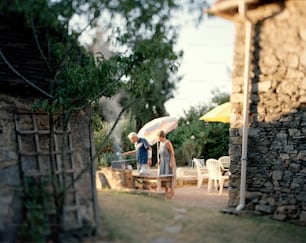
221	113
150	129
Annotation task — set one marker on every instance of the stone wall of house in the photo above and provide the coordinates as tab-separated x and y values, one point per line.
11	204
276	161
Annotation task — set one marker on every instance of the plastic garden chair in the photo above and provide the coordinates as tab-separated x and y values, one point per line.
225	162
200	173
215	176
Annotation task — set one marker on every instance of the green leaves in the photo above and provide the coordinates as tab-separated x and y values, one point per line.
195	138
37	202
82	81
149	62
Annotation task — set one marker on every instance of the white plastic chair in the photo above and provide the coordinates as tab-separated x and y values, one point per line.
180	176
215	175
225	162
200	172
202	163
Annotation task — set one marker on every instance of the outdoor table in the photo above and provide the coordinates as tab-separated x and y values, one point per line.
151	177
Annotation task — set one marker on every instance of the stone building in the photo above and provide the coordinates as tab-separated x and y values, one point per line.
32	175
270	64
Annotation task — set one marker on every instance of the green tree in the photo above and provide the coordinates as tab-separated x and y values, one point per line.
219	97
150	38
195	138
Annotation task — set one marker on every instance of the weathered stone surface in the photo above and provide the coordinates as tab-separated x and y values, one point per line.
12	180
302	33
303	216
302	155
303	57
277	175
276	169
265	208
9	176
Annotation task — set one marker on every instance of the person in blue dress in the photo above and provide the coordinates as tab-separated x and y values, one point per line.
166	162
143	152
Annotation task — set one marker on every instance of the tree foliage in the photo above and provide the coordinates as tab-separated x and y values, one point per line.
195	138
143	28
145	65
150	37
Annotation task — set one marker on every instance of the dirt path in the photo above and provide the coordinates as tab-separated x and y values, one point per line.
192	196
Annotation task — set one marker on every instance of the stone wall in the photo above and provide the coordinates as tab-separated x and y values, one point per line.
114	178
11	182
276	164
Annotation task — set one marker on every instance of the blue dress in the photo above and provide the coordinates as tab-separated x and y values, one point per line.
165	156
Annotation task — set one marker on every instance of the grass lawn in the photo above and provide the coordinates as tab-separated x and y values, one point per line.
137	218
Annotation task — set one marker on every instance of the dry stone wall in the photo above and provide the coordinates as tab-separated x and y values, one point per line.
276	165
11	182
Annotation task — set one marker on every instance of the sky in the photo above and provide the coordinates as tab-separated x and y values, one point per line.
206	65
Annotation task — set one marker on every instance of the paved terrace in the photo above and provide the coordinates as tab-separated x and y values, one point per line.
186	192
106	177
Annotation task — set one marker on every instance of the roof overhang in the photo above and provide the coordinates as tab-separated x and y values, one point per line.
228	9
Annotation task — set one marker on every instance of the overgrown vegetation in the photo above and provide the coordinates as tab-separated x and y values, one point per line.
36	200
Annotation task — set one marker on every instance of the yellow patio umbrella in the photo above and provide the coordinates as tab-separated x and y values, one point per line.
221	113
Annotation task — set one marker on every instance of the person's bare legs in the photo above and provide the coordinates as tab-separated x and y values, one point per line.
170	191
165	184
172	187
